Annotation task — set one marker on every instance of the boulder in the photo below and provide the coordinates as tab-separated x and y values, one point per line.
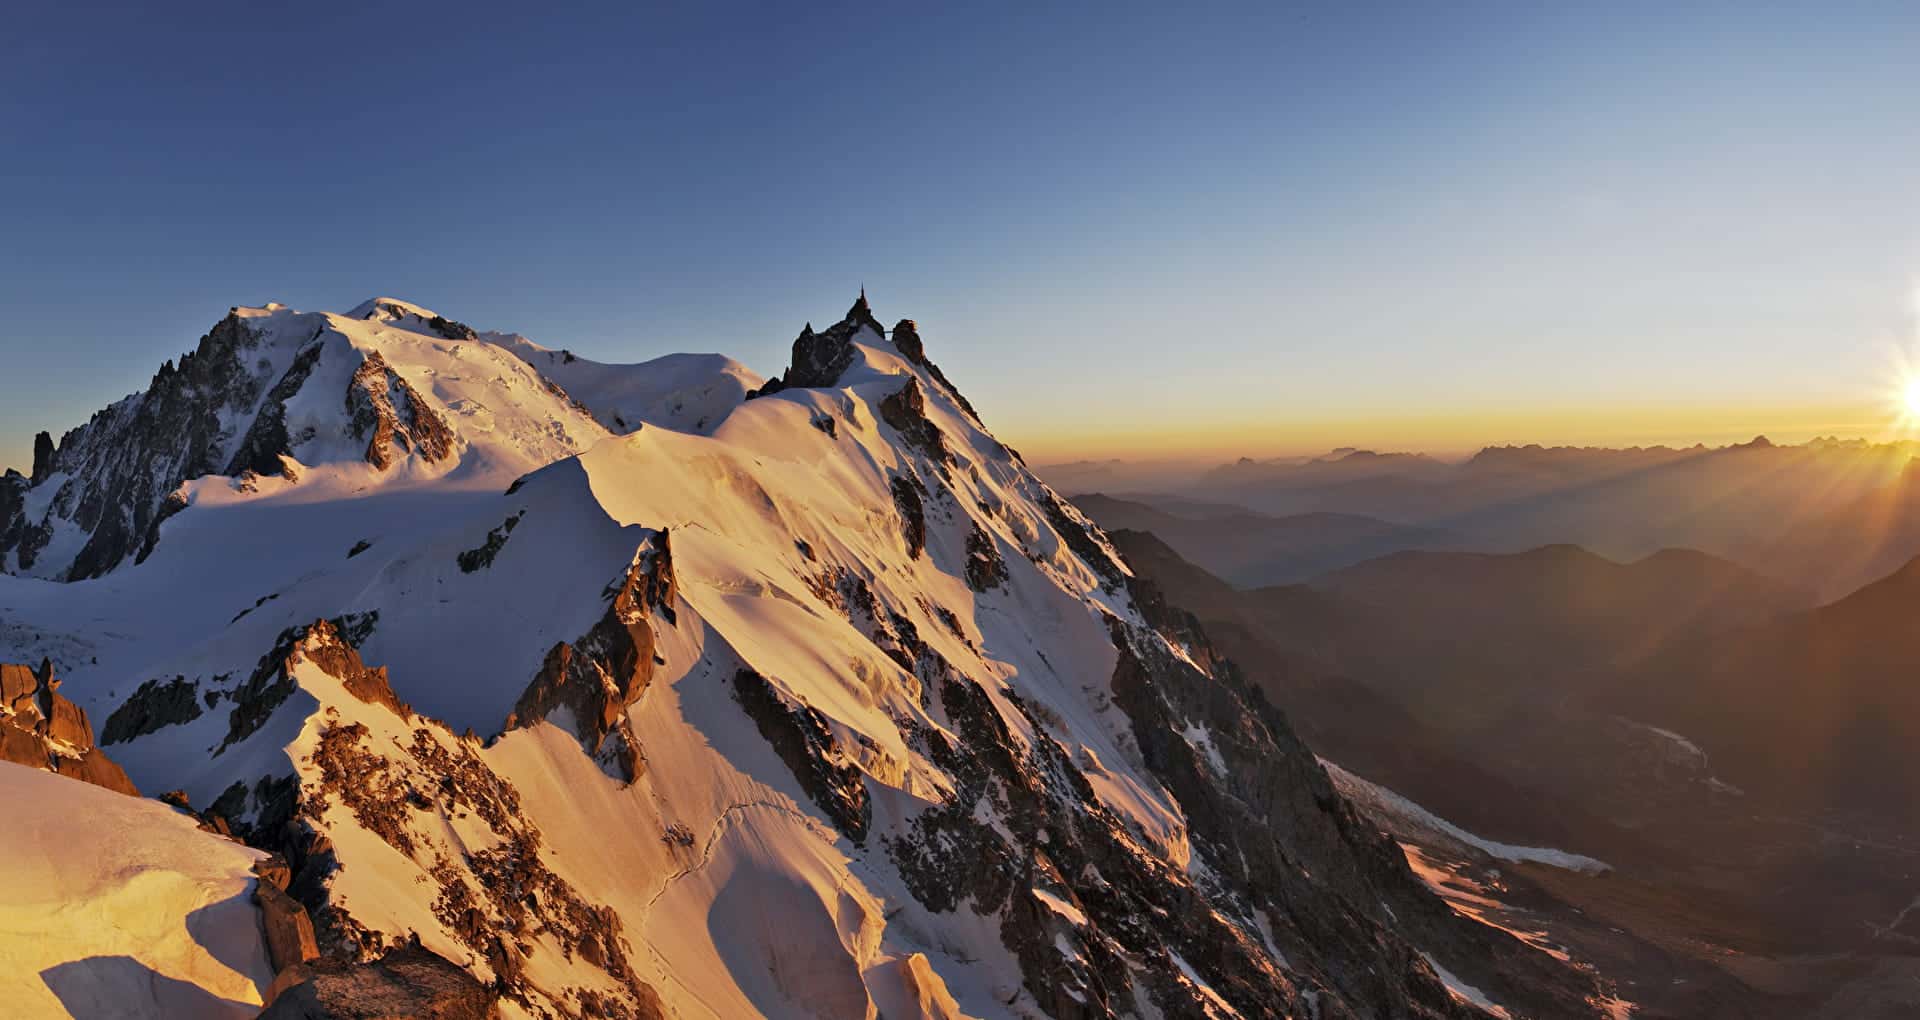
289	930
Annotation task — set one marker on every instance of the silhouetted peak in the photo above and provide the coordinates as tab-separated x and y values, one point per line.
42	457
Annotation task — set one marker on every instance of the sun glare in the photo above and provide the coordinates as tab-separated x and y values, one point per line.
1910	401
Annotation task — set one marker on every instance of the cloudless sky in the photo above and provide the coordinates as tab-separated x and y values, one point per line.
1125	230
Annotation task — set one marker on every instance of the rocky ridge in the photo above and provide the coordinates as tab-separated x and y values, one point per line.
41	729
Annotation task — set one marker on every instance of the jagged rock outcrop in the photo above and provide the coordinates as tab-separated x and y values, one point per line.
23	537
391	415
331	645
906	340
42	457
118	469
819	359
481	556
408	983
290	938
985	568
270	393
154	704
411	783
804	740
906	411
913	512
42	729
596	677
266	445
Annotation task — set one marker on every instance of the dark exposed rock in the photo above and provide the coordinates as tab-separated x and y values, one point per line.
1079	536
16	532
985	568
390	414
771	386
906	411
154	705
481	557
824	422
175	502
804	739
267	440
491	894
359	547
290	939
42	457
409	983
273	870
1271	807
120	467
906	340
1282	853
328	643
41	729
455	330
820	358
610	666
913	513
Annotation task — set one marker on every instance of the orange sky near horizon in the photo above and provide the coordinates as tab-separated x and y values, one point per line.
1441	433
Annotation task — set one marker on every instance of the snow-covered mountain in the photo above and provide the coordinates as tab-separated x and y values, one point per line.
659	690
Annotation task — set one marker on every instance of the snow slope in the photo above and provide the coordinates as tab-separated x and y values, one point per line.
687	392
121	907
821	704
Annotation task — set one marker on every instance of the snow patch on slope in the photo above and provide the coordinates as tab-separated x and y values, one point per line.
1403	817
118	906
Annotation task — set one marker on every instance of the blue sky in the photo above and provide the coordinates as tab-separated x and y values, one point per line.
1123	229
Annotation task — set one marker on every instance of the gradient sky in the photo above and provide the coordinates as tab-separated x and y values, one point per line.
1124	231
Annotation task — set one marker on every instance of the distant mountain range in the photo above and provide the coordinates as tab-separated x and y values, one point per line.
1252	549
1827	516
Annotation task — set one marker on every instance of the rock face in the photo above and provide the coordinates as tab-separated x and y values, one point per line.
153	705
906	340
42	456
115	472
819	359
906	411
265	388
267	443
42	729
805	741
609	667
390	414
408	983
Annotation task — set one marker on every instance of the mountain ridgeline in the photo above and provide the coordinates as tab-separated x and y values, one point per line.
662	690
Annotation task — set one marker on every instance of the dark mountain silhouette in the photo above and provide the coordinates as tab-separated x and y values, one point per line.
1819	710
